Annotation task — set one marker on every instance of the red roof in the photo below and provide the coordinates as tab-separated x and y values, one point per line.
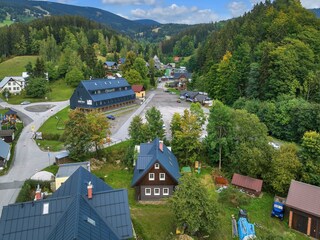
137	88
304	197
247	182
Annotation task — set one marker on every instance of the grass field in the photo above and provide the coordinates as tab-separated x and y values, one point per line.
15	66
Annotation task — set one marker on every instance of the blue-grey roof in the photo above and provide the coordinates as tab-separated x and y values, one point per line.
111	95
7	79
66	170
151	155
10	112
98	84
110	64
62	154
71	215
4	149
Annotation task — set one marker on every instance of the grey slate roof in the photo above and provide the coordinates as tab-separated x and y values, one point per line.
66	170
4	149
71	214
110	64
149	155
7	79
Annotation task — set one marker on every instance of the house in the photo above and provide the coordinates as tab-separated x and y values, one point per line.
156	172
182	76
61	156
4	153
102	94
110	65
13	84
7	135
139	91
66	170
189	95
303	202
248	184
83	208
10	115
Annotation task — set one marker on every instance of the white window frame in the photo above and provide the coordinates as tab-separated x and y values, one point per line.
145	191
154	191
162	179
151	178
156	166
165	194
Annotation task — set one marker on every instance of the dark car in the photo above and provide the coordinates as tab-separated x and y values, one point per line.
111	117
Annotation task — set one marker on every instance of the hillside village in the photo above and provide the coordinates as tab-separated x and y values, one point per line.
104	136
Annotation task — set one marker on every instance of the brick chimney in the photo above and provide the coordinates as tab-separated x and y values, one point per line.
38	195
89	187
161	146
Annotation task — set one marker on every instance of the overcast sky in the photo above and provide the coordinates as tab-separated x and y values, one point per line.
177	11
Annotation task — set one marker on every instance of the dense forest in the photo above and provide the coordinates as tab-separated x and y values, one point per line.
270	51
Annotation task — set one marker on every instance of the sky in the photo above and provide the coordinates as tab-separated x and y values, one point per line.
177	11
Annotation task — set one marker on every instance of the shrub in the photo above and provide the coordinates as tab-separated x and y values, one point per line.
233	197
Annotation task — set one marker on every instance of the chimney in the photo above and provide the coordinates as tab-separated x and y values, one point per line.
38	194
89	190
161	146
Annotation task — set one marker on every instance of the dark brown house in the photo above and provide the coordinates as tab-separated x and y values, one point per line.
156	172
248	184
303	202
7	135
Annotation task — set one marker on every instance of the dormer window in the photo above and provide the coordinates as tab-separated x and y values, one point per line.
151	176
156	166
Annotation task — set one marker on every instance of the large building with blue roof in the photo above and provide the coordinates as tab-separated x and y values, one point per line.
72	212
156	172
102	94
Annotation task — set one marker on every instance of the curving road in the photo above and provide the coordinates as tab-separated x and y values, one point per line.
28	158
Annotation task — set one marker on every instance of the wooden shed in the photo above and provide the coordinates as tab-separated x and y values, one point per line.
7	135
303	202
248	184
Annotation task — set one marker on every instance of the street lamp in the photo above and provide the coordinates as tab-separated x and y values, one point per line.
48	155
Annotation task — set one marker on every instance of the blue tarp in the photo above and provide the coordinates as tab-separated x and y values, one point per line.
246	229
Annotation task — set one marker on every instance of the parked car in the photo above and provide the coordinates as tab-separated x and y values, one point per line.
111	117
25	103
189	100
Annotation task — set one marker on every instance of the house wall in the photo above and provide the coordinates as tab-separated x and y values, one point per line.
141	94
144	183
13	86
305	223
60	181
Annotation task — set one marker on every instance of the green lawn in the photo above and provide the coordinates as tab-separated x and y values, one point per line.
6	23
60	91
15	66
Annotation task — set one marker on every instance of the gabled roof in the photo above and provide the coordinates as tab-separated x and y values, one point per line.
304	197
4	149
10	112
137	88
66	170
70	214
247	182
182	75
190	94
7	79
149	155
110	64
98	84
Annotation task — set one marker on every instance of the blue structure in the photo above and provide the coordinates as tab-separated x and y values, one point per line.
102	94
245	229
278	210
70	213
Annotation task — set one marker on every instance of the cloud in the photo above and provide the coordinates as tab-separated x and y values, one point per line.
237	8
177	14
254	2
310	4
130	2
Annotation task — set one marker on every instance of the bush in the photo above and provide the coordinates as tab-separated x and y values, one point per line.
233	197
28	189
51	136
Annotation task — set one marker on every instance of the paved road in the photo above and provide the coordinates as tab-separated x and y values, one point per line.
28	157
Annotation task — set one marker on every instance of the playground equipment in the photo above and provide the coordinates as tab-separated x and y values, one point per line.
278	207
246	230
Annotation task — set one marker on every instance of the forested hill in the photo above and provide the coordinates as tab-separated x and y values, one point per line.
269	52
25	10
316	11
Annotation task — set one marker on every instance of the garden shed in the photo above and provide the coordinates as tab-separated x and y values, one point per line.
304	208
248	184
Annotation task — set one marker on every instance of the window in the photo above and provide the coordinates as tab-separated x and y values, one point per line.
151	176
18	88
166	191
162	176
9	83
147	191
157	191
156	166
14	88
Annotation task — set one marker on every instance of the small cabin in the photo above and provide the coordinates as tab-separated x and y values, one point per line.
248	184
